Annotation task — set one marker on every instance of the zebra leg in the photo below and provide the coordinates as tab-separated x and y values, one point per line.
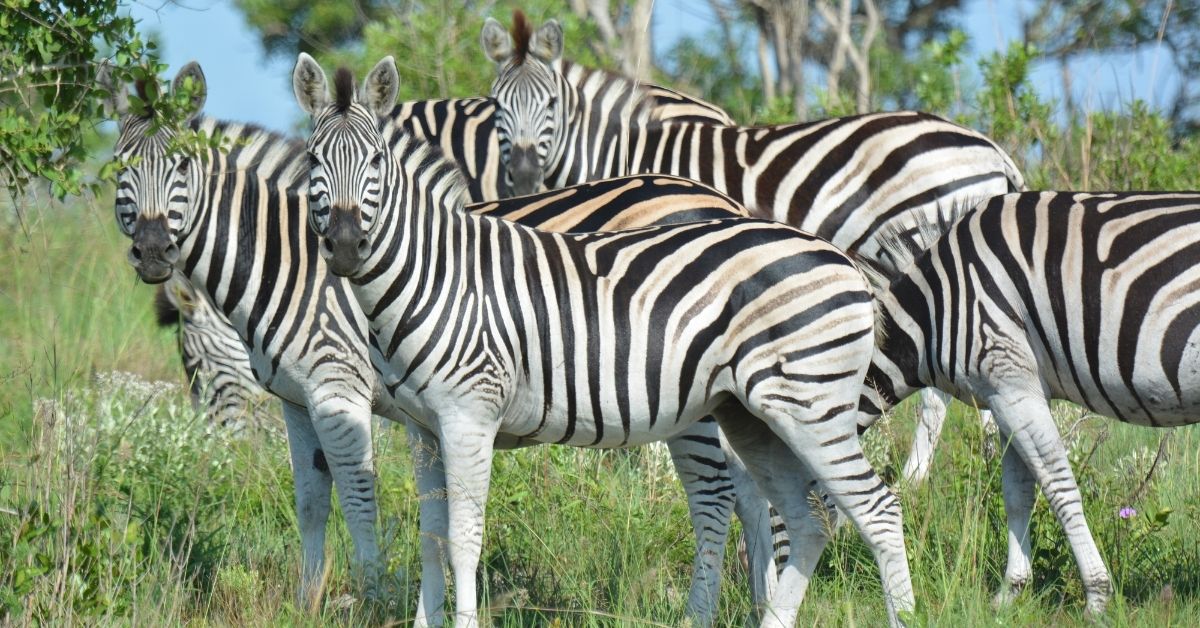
344	427
313	485
701	467
987	423
467	446
1034	435
787	483
759	531
431	500
827	440
929	430
1018	506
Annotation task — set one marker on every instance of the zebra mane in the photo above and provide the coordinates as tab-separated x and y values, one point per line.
903	246
426	160
343	89
522	33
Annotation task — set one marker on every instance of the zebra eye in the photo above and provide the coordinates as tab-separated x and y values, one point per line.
183	165
377	159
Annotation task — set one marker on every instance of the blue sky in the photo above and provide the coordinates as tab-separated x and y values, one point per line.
246	85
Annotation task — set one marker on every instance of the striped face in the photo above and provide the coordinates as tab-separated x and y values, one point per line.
347	154
157	183
153	200
530	123
531	100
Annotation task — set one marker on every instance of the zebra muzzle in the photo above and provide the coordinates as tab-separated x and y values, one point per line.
153	253
524	171
346	247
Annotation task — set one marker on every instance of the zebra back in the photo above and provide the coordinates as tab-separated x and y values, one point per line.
845	179
1092	296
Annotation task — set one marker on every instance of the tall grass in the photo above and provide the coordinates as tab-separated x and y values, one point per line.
69	306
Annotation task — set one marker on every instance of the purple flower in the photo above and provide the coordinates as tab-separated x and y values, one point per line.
1126	513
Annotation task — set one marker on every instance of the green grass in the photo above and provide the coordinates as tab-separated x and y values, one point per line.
120	507
70	306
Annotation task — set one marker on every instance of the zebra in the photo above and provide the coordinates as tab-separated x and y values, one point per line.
465	131
844	179
230	225
214	360
479	325
1091	298
464	128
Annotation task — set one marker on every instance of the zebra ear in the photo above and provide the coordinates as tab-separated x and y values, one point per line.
380	88
309	85
547	42
116	104
497	43
199	86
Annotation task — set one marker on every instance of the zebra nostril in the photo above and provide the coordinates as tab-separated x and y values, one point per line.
171	255
364	248
135	253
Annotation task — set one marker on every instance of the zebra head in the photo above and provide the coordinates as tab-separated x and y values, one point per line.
156	179
347	154
531	99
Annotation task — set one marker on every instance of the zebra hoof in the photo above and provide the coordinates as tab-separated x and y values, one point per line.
1007	594
989	446
1098	595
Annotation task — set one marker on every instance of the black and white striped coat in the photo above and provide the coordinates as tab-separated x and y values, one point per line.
215	361
481	326
1091	298
848	180
232	224
233	228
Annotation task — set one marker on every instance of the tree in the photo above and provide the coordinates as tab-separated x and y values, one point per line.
801	43
289	27
1063	30
50	99
624	29
436	44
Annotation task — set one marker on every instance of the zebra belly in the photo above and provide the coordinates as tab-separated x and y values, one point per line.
1161	387
609	429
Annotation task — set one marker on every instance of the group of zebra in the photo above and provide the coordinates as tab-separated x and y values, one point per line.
755	296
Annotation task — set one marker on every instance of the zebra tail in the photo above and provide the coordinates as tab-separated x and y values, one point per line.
1016	180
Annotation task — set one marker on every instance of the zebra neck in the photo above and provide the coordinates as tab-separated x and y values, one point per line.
422	245
249	217
465	131
606	113
637	144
